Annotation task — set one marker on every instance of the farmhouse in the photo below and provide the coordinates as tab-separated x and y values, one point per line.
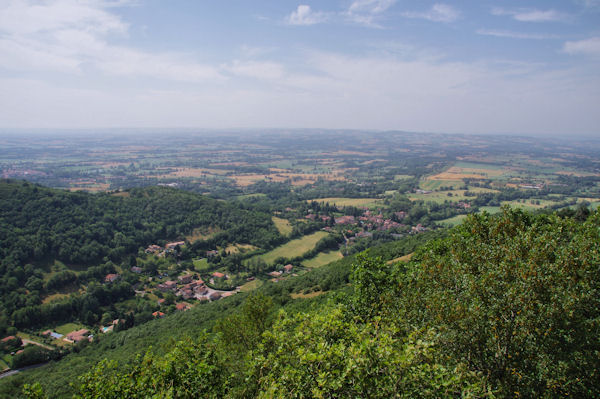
218	275
274	274
345	220
288	268
158	315
181	307
77	336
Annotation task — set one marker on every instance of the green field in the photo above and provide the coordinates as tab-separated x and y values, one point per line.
201	264
439	196
432	185
251	285
322	259
4	362
282	225
489	209
453	221
403	177
67	328
358	202
294	248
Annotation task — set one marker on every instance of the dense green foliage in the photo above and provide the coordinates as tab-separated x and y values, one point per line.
39	226
506	306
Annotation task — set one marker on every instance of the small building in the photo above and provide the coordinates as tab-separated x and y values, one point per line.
77	336
214	296
185	279
158	315
275	274
136	269
181	307
288	268
218	275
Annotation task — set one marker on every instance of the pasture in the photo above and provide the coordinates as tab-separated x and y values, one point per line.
283	225
322	259
294	248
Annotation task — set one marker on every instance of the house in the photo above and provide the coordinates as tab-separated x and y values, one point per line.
288	268
218	275
185	279
152	249
214	296
77	336
200	290
181	307
136	269
158	315
212	253
161	301
345	220
275	274
9	338
111	278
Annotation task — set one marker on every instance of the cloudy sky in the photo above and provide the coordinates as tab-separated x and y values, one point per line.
469	66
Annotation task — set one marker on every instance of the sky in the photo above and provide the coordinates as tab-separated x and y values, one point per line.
469	66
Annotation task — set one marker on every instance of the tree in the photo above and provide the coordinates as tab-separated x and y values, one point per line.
515	297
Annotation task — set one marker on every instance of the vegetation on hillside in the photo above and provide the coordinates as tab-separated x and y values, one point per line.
505	306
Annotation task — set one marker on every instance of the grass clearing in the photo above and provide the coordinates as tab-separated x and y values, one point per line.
453	221
433	185
201	264
357	202
3	364
405	259
309	295
403	177
251	285
294	248
68	327
237	248
322	259
283	225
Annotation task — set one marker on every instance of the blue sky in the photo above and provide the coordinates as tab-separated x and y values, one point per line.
489	66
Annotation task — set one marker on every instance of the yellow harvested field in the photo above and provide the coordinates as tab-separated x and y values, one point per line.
195	172
251	285
297	179
456	173
282	225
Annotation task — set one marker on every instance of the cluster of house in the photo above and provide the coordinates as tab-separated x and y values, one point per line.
276	273
160	251
187	288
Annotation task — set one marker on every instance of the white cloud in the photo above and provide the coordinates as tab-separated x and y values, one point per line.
515	35
367	12
69	35
305	16
531	15
437	13
589	46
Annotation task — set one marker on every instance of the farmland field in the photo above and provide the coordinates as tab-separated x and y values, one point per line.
68	327
453	221
432	185
322	259
357	202
251	285
282	225
294	248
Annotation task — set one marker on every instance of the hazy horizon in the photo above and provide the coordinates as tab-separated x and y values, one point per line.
503	68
